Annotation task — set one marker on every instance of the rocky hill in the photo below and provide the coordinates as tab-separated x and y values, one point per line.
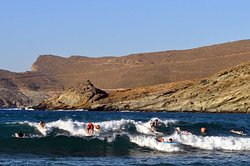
51	75
226	91
144	69
26	89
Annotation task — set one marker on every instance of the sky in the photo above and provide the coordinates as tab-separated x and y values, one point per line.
96	28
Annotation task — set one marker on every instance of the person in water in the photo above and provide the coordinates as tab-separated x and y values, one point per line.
162	140
239	132
170	140
90	128
20	135
179	131
42	124
154	124
203	130
98	128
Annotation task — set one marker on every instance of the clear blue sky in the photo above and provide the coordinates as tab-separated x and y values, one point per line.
96	28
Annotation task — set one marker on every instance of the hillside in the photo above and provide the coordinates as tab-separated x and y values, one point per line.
25	89
226	91
144	69
51	75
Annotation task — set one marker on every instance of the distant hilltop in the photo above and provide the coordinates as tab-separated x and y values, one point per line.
52	75
144	69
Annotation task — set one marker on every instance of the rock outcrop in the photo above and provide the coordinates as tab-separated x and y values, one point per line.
11	95
81	96
26	89
226	91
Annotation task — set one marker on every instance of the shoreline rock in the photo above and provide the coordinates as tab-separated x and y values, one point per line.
81	96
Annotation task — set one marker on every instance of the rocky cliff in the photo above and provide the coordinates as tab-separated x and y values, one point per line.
11	96
26	89
226	91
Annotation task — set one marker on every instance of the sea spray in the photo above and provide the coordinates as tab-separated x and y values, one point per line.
143	135
214	142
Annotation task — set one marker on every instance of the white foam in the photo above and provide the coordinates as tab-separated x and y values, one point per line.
152	143
169	121
145	136
145	128
76	128
114	125
213	142
42	130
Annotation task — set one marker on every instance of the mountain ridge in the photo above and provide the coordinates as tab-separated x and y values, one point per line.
145	69
51	75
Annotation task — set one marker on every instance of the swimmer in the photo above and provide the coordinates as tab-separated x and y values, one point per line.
239	132
42	124
160	139
170	140
97	127
19	135
90	128
179	131
154	125
203	130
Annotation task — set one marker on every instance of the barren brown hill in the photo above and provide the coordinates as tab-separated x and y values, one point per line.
226	91
25	89
52	74
144	69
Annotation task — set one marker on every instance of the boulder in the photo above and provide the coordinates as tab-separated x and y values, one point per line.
81	96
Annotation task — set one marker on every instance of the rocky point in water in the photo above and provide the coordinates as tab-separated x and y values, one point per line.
226	91
81	96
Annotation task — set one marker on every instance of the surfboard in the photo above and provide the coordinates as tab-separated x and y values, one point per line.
170	143
238	132
42	130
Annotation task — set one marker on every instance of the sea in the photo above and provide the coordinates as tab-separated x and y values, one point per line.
125	138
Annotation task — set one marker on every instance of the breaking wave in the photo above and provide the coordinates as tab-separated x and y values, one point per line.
126	134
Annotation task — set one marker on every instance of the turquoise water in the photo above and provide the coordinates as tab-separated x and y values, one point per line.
125	138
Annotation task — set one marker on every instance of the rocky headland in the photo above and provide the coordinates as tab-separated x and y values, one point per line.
176	80
226	91
81	96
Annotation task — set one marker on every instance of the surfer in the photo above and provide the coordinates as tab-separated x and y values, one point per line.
42	124
19	135
203	130
239	132
160	139
154	125
90	128
97	128
179	131
170	140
